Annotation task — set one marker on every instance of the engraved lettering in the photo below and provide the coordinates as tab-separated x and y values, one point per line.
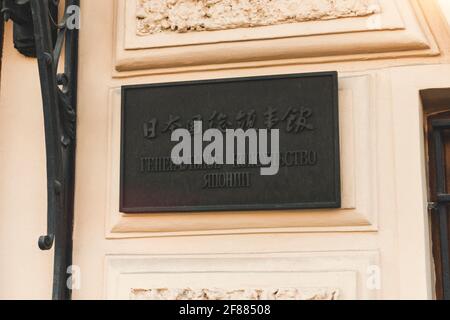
150	129
172	124
219	121
190	124
234	144
297	121
271	118
227	180
246	120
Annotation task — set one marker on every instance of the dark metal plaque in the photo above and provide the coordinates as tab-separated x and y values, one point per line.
304	107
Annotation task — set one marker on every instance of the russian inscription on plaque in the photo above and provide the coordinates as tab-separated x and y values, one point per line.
303	108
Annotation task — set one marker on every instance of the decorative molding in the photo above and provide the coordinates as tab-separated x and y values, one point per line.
237	294
398	29
293	275
359	184
193	15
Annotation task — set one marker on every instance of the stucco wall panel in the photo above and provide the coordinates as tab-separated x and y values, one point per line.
157	37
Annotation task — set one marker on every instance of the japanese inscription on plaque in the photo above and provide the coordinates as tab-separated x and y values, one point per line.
303	108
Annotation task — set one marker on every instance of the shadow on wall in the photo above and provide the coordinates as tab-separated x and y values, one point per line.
445	5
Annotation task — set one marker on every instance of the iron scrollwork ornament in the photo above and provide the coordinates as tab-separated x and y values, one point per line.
38	33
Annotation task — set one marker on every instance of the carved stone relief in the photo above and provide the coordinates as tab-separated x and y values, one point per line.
238	294
157	16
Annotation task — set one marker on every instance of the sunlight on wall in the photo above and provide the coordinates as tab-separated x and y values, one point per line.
445	5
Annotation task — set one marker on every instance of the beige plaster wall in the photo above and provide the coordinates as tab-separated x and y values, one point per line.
445	6
25	271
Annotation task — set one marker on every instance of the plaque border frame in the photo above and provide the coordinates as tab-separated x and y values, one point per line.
336	204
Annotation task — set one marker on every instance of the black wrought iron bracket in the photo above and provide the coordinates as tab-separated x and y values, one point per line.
36	21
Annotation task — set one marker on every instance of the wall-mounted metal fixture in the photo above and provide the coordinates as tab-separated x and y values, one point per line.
19	11
38	33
